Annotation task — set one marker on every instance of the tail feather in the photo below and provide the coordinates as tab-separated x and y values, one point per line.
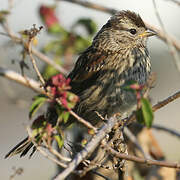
21	148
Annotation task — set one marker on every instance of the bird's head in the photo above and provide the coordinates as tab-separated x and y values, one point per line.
124	29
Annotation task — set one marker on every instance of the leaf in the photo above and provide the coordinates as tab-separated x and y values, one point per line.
59	140
89	24
145	115
38	102
147	112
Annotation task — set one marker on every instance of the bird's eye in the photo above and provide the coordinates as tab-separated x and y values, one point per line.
132	31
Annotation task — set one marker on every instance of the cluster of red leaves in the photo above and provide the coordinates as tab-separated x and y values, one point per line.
59	87
48	15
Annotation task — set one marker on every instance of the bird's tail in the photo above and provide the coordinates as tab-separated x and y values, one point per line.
22	148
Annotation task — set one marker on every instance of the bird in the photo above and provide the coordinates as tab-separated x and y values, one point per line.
118	54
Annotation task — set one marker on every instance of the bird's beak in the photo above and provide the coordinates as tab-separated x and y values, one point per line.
147	33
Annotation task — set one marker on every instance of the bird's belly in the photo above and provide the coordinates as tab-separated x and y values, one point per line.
93	104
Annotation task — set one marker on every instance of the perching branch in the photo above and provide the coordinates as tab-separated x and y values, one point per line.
95	141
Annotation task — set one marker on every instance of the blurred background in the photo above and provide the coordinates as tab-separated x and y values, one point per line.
15	99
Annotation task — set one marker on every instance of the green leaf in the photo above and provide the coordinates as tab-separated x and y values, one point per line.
59	140
38	102
56	29
147	112
89	24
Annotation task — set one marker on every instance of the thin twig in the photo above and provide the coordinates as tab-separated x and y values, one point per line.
170	131
37	53
175	1
134	140
36	68
12	75
47	60
166	101
163	36
92	6
88	148
157	106
168	40
142	160
81	120
57	154
43	152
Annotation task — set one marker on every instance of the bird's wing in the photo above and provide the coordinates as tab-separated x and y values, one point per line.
89	62
23	147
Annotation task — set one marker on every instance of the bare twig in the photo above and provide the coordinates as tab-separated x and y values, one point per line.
12	75
92	6
166	101
81	120
170	131
163	36
98	7
43	152
47	60
168	40
175	1
37	53
134	140
36	68
142	160
88	148
57	154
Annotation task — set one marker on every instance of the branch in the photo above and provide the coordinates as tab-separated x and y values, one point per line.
166	101
37	53
170	131
49	61
175	1
88	148
92	6
172	49
134	140
28	82
81	120
98	7
142	160
157	106
45	154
